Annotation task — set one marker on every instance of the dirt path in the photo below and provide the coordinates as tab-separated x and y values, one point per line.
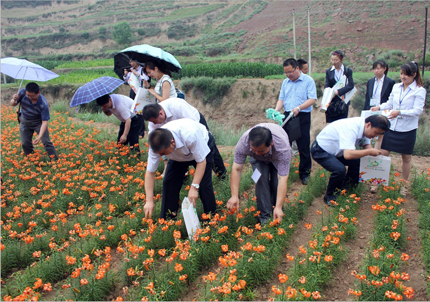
342	280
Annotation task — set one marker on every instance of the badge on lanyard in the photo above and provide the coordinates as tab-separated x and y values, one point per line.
373	102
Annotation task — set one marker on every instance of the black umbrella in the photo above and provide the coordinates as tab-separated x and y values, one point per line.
121	62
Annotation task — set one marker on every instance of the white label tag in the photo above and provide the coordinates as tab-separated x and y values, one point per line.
256	175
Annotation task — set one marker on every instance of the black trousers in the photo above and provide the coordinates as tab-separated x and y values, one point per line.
303	143
339	177
218	164
173	181
137	123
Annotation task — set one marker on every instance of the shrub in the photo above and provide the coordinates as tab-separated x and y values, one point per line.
422	144
122	33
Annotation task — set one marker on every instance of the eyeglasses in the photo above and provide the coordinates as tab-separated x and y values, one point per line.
287	73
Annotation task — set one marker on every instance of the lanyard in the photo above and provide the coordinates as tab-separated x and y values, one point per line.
376	89
337	78
402	98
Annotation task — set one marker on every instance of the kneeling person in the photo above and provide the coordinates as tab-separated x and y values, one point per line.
269	148
335	148
186	143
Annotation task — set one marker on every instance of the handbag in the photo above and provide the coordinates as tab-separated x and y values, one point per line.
292	127
337	106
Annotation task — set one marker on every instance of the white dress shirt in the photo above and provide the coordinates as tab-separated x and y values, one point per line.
191	143
377	90
338	73
176	108
342	135
410	103
121	105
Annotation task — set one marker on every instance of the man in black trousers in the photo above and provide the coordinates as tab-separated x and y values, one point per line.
185	143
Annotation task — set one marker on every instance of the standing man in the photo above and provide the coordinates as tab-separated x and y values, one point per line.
176	108
303	66
34	117
185	142
335	148
298	94
269	148
131	123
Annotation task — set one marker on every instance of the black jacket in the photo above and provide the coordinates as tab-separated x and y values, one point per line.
385	92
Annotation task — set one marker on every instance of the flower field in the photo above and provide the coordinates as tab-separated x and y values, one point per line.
75	230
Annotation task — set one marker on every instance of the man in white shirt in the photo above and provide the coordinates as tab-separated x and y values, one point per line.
176	108
335	148
185	142
131	123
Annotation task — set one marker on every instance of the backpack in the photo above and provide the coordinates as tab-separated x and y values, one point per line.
180	94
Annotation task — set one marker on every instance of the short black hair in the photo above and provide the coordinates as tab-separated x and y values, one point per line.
151	111
301	62
381	63
32	87
104	99
160	139
259	136
378	121
338	53
291	62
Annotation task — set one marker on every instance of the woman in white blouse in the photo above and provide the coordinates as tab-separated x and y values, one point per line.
407	101
165	88
137	70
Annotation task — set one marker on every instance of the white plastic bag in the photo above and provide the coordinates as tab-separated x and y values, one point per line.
191	218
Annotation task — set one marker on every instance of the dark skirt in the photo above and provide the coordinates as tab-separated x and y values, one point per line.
400	142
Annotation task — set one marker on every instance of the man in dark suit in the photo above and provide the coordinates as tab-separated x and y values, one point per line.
378	88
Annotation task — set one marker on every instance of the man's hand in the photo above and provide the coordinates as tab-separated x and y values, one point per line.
295	111
278	213
148	209
233	203
36	140
376	108
374	151
193	194
123	139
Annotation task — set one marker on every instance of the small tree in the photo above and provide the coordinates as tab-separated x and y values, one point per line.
122	33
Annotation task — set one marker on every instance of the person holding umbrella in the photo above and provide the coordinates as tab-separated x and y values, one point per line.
165	88
138	71
131	123
34	117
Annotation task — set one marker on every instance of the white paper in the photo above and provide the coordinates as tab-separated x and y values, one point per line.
191	219
375	169
326	99
367	113
142	98
348	96
134	82
256	175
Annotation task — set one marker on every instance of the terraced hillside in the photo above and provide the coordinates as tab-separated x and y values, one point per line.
251	30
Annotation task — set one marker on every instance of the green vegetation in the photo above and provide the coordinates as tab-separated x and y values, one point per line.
223	136
210	90
122	34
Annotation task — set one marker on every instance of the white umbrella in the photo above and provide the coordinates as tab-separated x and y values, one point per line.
25	70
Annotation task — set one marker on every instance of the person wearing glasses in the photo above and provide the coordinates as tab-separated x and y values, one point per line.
298	94
332	76
407	102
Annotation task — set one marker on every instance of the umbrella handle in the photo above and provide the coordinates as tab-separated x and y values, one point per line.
22	79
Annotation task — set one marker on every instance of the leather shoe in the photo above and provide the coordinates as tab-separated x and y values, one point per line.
328	199
305	180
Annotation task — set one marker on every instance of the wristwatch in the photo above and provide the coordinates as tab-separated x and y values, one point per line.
197	186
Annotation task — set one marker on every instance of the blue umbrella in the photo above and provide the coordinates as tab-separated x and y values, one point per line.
94	89
144	53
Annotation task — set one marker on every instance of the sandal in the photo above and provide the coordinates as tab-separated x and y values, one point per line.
403	191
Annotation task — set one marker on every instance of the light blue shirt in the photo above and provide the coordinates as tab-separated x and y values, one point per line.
293	94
